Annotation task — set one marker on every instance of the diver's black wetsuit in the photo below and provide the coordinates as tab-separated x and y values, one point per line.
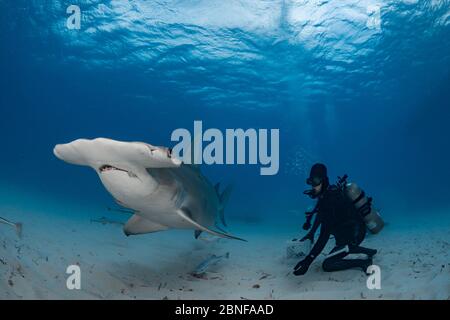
337	216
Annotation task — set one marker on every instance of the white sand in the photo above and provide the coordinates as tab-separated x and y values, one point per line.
414	261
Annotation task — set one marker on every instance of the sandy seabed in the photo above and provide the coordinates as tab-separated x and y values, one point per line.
414	262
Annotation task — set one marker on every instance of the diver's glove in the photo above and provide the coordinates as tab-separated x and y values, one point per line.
302	267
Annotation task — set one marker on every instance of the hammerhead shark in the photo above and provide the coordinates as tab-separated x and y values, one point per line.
162	191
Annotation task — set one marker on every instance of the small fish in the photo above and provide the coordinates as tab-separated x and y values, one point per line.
210	261
104	221
17	226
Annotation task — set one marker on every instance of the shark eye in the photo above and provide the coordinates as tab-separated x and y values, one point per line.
169	152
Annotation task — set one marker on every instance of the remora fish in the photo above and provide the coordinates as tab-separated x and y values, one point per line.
17	226
210	261
163	192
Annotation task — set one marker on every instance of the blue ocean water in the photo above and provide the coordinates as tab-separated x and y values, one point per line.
362	86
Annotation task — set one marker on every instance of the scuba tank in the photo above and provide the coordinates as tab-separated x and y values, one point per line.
363	204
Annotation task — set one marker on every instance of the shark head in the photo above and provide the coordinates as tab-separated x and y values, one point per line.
69	153
99	152
161	157
121	166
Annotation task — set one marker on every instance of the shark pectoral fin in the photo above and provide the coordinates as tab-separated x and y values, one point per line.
139	225
183	213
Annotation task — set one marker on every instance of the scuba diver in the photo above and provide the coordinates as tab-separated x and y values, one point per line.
336	215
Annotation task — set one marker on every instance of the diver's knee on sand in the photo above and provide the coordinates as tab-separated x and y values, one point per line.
367	251
329	263
338	263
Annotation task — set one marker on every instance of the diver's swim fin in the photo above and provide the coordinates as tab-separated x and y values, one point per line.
185	214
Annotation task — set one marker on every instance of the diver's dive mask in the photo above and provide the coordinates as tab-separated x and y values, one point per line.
313	182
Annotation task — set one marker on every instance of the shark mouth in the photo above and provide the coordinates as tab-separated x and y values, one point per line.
107	168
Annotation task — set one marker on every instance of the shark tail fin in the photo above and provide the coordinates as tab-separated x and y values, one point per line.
223	199
19	227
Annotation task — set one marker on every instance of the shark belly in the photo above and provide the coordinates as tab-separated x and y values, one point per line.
125	190
162	205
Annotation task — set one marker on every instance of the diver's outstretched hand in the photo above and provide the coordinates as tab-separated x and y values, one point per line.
302	267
